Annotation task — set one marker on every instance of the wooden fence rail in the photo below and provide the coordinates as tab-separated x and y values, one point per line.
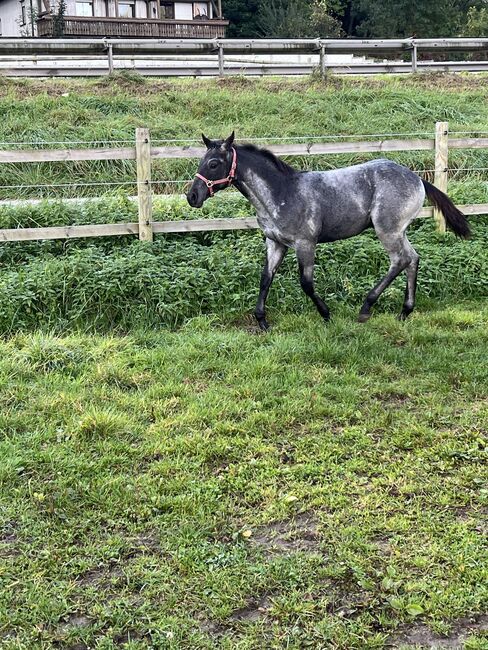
143	153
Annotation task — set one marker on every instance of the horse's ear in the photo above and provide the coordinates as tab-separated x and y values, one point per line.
206	141
230	140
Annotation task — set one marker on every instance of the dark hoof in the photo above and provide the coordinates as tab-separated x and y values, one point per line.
403	315
263	325
362	318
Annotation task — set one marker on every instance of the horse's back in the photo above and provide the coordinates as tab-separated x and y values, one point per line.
352	199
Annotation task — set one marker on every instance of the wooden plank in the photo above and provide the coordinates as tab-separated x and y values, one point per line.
69	232
441	167
63	155
316	148
468	143
312	148
197	225
144	193
201	225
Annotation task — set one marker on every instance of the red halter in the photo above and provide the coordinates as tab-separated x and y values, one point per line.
229	178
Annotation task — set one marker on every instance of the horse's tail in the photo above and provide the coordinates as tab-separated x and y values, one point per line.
455	219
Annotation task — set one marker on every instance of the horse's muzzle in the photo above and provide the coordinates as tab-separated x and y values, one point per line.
196	195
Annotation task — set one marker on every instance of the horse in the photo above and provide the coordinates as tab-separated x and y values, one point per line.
300	209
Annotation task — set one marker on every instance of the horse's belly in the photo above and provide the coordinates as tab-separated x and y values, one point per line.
333	230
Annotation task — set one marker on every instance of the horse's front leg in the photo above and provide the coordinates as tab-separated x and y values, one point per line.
275	253
306	260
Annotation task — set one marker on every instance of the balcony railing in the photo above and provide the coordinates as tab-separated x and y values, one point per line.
80	27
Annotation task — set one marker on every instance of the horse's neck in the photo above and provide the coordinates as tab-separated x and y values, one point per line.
255	182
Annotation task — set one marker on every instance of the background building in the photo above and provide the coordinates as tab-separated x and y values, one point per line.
113	18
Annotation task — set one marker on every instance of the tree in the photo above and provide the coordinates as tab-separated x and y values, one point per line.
297	19
403	18
243	17
58	20
477	21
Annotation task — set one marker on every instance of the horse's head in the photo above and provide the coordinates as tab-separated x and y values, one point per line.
216	170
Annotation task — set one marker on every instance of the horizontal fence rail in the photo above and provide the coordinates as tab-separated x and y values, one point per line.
143	153
37	70
310	149
16	46
113	48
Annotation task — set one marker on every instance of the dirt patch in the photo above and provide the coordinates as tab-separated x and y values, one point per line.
384	545
285	537
9	541
420	636
393	398
478	519
108	574
144	544
74	622
252	612
101	576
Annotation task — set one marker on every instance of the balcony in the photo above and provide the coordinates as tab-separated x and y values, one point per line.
91	27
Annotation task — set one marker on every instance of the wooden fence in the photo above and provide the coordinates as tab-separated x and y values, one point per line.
143	153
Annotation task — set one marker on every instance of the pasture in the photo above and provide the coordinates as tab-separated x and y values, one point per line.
170	478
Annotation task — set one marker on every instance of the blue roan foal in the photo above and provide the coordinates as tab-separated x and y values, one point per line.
302	209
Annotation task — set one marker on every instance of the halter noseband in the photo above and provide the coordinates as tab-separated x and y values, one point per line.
228	179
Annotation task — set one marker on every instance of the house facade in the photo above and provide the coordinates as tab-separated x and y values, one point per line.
113	18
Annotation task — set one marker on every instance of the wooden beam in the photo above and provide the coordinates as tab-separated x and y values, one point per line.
63	155
69	232
196	225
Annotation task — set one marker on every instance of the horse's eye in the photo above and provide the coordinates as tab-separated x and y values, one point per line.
213	164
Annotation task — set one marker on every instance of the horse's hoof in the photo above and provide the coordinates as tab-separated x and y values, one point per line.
263	325
362	318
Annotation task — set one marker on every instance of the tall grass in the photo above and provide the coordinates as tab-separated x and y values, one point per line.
123	283
104	111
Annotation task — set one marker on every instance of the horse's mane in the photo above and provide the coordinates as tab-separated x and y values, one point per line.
280	165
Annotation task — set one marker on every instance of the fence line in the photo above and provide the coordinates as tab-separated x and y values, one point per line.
302	149
143	153
111	48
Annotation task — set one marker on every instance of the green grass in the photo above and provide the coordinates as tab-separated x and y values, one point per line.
120	283
140	475
110	109
170	479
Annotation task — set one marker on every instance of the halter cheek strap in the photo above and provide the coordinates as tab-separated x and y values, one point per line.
228	179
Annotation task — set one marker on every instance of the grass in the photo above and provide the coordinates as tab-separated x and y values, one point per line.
153	485
171	479
110	109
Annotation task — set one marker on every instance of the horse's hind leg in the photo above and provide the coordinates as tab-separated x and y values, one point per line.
306	261
411	271
275	253
402	256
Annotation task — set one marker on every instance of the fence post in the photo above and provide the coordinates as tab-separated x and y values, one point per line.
143	159
110	58
414	58
441	167
221	60
323	68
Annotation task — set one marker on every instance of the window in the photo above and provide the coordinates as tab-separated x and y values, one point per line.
22	13
200	10
127	9
84	8
167	10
